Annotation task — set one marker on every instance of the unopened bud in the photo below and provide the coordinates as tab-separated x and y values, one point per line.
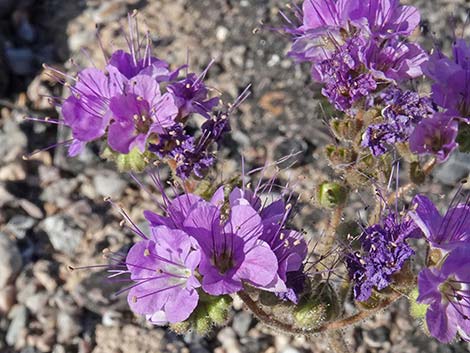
463	138
134	161
417	310
417	175
331	194
320	306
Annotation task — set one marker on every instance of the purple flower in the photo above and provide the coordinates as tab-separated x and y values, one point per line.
191	96
447	292
380	137
435	135
86	111
132	65
445	232
402	110
232	251
163	269
451	88
325	23
384	252
288	245
346	82
383	17
394	60
139	113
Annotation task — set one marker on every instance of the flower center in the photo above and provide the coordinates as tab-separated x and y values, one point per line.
223	261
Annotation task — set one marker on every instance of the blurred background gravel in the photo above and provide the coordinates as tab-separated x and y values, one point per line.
52	212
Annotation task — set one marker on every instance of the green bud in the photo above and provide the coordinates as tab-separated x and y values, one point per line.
201	322
346	129
219	309
338	155
134	161
463	138
320	306
417	310
181	328
417	175
331	194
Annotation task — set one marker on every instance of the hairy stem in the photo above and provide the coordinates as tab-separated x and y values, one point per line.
338	324
427	169
337	342
328	240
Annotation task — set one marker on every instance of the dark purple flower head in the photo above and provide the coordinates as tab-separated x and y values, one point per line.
444	232
451	88
163	271
384	252
446	289
435	136
402	110
346	81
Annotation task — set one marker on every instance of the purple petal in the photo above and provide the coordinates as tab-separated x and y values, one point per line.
426	216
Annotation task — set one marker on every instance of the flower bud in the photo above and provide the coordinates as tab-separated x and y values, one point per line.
134	161
340	155
320	306
417	175
417	310
219	309
463	138
331	194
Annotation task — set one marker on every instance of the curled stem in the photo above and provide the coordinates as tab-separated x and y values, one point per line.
338	324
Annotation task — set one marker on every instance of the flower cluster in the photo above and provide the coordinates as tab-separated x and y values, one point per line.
445	284
214	247
401	111
383	253
356	48
141	107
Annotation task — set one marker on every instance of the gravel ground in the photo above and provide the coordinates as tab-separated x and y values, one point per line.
52	209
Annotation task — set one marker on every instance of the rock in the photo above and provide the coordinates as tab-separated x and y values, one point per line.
36	302
289	349
7	298
10	260
15	334
42	271
12	142
129	339
228	338
455	169
58	192
68	327
109	184
21	61
18	225
63	233
241	323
